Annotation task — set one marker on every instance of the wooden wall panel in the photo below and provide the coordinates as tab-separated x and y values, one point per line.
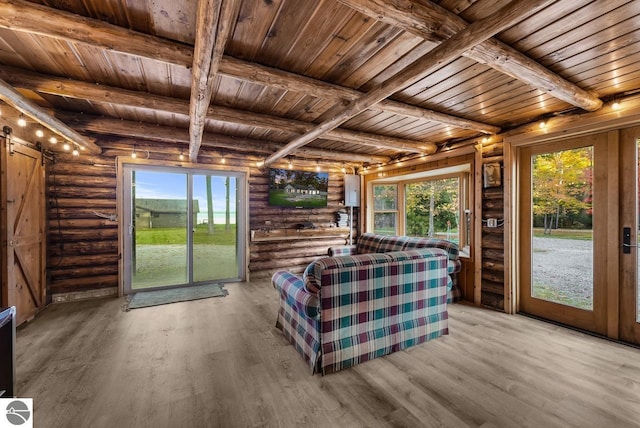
83	246
492	246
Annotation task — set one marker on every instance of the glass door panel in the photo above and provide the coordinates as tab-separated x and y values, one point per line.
215	254
562	233
159	235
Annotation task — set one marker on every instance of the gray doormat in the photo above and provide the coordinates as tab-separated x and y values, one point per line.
143	299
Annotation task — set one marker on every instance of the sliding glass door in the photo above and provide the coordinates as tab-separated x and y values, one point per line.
183	227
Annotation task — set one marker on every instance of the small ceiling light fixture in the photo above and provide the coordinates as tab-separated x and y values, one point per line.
75	151
181	156
53	140
223	159
66	146
290	165
317	166
344	168
542	124
22	121
134	154
615	105
39	133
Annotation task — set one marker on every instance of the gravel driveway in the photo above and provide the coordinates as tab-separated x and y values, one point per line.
566	265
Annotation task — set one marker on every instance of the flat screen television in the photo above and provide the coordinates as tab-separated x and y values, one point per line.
298	189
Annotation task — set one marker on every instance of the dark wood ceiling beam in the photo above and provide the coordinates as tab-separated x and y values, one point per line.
436	24
441	55
21	15
25	16
25	106
169	135
214	22
45	84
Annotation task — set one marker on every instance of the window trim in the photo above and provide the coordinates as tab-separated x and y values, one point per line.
463	171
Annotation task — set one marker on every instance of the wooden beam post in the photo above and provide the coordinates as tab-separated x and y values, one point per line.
434	23
15	99
446	52
21	15
168	134
215	20
106	94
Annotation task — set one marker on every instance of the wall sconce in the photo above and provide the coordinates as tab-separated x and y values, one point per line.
22	122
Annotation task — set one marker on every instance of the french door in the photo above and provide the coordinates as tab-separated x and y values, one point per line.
182	226
563	233
630	259
579	211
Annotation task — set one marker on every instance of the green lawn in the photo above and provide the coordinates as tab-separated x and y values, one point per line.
549	292
579	234
283	199
165	236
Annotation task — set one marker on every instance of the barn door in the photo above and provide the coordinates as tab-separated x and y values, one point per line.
23	230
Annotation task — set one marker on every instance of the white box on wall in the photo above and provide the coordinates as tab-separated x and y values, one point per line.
351	190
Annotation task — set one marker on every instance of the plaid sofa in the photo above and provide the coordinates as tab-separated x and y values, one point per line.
345	310
371	243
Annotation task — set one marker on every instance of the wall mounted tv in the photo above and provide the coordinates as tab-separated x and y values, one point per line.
297	189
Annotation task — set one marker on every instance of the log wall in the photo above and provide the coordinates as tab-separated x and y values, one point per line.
83	249
492	263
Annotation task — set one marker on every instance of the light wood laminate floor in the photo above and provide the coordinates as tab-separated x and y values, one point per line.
221	362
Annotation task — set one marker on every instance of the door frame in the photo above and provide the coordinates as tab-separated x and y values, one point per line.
628	291
592	320
242	220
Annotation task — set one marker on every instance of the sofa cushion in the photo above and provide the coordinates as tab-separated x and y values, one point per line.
452	249
312	275
368	243
391	243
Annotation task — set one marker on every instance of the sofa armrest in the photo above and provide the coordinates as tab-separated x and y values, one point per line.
342	250
291	289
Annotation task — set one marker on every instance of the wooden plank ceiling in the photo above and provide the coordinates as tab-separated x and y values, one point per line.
350	80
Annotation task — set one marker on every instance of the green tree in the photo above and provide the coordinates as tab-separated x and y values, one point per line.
432	207
562	185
